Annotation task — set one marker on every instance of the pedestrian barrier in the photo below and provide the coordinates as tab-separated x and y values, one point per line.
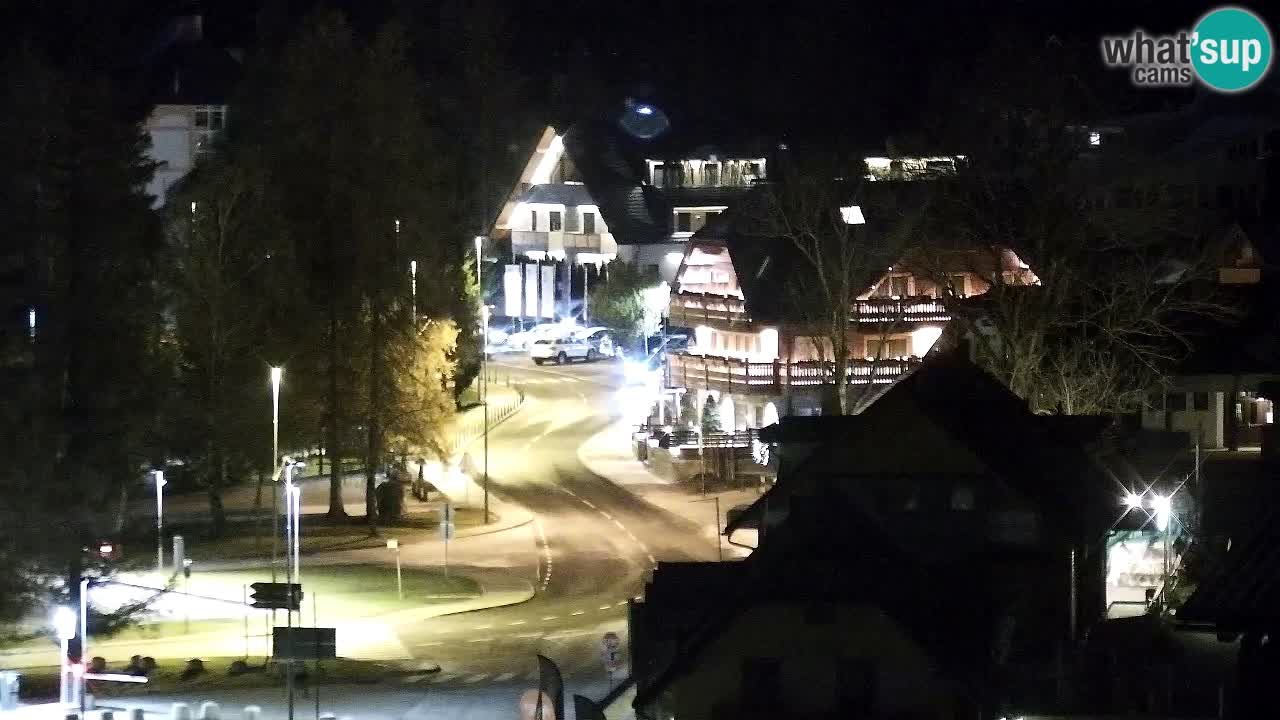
252	712
180	711
209	710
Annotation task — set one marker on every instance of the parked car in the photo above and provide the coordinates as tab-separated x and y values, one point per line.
601	339
562	349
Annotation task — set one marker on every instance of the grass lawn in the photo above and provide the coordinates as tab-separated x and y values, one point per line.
43	682
250	540
347	591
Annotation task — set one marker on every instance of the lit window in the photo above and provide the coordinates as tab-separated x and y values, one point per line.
852	215
1095	138
555	221
589	223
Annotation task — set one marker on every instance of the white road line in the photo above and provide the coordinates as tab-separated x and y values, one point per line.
504	677
588	503
605	607
483	627
652	559
638	598
516	622
620	603
621	527
578	612
430	644
526	636
606	515
480	640
550	617
475	679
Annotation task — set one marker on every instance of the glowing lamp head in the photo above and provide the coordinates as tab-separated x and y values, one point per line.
277	374
1132	501
1163	509
64	622
159	475
644	109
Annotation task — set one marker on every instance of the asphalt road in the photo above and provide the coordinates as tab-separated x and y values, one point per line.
596	544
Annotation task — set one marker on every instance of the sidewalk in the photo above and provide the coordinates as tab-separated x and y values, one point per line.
608	454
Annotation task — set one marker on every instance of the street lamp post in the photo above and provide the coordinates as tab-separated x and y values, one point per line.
160	483
394	544
277	374
484	372
84	638
291	574
413	285
64	625
1163	507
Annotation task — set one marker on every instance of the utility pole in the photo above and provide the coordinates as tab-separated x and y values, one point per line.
484	372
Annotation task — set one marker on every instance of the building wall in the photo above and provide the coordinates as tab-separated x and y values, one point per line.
170	128
664	258
1207	426
814	665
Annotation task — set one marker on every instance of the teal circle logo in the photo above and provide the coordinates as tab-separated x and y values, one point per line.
1231	49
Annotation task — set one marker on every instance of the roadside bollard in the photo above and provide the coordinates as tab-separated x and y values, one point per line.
179	711
137	714
209	710
252	712
90	702
108	715
328	716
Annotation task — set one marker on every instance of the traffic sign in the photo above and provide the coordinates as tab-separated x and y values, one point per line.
277	596
304	643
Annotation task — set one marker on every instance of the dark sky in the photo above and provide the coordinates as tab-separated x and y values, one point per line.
764	64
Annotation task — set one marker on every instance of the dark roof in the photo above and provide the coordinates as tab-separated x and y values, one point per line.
194	73
557	193
1247	344
634	212
612	166
1042	457
819	563
1245	592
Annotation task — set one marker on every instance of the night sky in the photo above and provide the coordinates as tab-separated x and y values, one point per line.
864	69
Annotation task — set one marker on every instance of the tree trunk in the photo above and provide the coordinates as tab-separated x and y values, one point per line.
333	421
218	481
373	428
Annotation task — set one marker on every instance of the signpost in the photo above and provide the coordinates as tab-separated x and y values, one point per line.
610	653
395	545
303	643
446	532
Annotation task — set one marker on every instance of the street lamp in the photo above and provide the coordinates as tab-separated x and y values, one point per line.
292	505
277	374
64	625
484	372
160	483
1132	500
1163	508
413	285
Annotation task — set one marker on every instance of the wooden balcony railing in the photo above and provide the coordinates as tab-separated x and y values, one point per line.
712	372
689	309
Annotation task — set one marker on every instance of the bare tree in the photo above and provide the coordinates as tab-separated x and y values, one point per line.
815	210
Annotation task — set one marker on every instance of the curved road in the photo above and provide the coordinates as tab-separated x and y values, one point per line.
596	542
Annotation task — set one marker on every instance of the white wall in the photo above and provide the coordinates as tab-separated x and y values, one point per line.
666	256
1207	426
170	129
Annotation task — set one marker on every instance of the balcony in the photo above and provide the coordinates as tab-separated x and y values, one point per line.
523	241
724	311
725	374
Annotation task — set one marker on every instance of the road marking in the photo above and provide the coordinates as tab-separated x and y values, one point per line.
526	636
621	527
620	603
578	612
588	503
475	679
516	622
606	515
504	677
482	627
546	551
652	559
605	607
550	617
430	644
638	598
480	640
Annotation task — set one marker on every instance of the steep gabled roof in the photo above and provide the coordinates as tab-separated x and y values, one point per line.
1245	593
195	73
1044	458
814	562
570	194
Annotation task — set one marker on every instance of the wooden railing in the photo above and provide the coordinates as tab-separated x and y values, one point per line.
733	375
691	309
